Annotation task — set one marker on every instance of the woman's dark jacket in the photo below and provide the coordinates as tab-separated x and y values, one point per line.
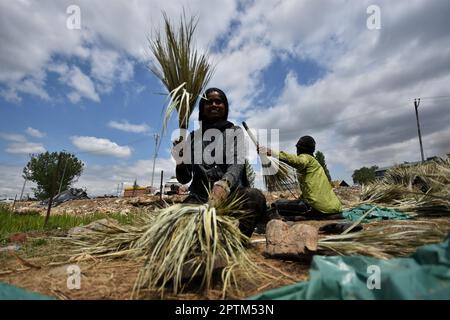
203	175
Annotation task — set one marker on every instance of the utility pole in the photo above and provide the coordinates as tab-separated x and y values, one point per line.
154	157
416	106
26	178
53	189
64	172
23	188
161	185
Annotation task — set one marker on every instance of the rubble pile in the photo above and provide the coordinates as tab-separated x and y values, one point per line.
123	206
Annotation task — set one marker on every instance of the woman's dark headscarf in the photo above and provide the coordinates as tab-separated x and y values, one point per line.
306	144
201	104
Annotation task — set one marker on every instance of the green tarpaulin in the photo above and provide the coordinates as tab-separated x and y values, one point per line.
9	292
376	214
424	275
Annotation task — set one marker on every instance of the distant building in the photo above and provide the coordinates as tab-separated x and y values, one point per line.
339	183
172	186
380	172
138	191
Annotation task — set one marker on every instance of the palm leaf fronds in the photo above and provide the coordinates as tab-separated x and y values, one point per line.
188	241
277	175
181	68
178	244
112	240
422	188
385	241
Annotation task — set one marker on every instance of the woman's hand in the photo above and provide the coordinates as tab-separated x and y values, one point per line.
264	150
219	193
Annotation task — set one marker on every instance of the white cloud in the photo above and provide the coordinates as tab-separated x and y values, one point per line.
124	125
112	36
75	78
20	144
82	85
108	67
25	148
12	182
361	111
31	34
35	132
10	95
12	137
100	146
100	180
238	73
32	85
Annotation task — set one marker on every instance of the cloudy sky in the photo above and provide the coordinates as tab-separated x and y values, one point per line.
330	69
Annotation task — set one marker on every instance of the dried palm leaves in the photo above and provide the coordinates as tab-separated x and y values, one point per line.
385	241
186	241
182	69
422	188
277	175
109	240
178	244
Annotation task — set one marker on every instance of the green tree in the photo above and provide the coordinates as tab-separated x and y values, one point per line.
320	157
364	175
250	174
43	170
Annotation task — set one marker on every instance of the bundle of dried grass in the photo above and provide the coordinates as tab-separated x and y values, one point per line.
178	243
385	241
188	241
112	240
182	69
422	188
277	175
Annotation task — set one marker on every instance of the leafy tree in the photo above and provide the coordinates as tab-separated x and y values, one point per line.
320	157
43	169
250	174
364	175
